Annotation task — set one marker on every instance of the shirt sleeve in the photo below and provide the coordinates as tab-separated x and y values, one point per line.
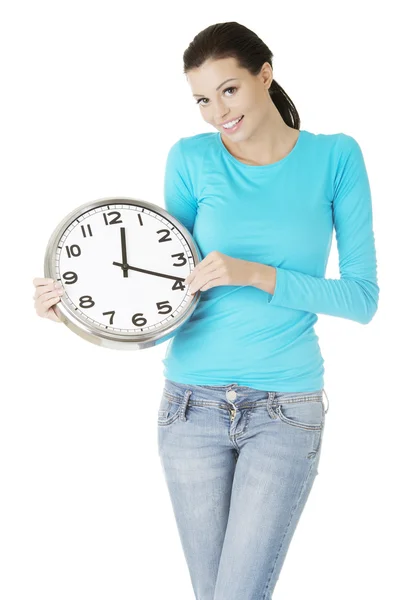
355	295
178	193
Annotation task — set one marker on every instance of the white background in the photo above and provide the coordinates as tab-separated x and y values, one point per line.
93	96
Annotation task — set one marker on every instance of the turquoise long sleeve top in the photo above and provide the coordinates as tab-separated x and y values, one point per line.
282	214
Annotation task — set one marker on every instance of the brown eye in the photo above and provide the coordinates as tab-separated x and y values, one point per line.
225	90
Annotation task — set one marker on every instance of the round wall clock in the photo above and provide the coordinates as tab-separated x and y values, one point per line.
122	263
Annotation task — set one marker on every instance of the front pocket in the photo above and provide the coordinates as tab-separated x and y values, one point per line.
306	413
169	409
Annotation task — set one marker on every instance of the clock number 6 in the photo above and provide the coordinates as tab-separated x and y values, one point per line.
139	320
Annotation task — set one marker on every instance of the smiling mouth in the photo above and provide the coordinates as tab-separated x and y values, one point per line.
240	119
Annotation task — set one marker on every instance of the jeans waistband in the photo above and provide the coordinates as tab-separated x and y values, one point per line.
220	392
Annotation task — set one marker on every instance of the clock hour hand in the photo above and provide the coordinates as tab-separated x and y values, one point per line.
124	254
126	266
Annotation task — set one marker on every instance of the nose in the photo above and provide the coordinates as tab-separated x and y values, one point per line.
222	119
222	113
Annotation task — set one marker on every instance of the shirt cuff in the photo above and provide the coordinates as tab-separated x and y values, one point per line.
280	284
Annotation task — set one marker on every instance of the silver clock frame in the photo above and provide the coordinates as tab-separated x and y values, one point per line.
110	339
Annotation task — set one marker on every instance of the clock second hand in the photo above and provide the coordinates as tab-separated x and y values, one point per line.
125	266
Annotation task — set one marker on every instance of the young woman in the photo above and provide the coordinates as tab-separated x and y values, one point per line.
242	415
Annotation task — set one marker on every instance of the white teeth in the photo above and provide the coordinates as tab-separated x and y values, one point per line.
231	123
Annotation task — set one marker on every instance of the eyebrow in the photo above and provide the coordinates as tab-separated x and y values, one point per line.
220	85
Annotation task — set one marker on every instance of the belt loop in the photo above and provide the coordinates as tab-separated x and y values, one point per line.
271	396
327	407
182	410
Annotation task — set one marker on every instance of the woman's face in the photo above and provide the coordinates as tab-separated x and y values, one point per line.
245	94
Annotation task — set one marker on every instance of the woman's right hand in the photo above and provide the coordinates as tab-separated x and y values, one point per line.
46	295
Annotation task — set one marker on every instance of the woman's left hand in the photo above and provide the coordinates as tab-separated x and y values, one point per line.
219	269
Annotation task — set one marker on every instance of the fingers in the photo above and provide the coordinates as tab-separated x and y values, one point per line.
42	281
43	288
45	297
44	301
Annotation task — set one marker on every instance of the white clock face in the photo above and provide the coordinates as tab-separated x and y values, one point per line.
123	267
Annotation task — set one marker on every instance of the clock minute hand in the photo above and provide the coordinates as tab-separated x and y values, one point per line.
148	272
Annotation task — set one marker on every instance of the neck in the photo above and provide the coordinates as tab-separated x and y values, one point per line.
271	142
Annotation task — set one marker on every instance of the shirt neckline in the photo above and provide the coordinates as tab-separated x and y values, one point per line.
261	167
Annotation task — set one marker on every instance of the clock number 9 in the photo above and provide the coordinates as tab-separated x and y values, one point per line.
70	277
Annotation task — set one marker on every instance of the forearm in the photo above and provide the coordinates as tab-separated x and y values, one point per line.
263	277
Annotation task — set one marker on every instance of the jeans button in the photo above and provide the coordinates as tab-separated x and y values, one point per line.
231	395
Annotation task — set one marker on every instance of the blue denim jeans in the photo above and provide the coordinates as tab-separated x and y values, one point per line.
239	464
